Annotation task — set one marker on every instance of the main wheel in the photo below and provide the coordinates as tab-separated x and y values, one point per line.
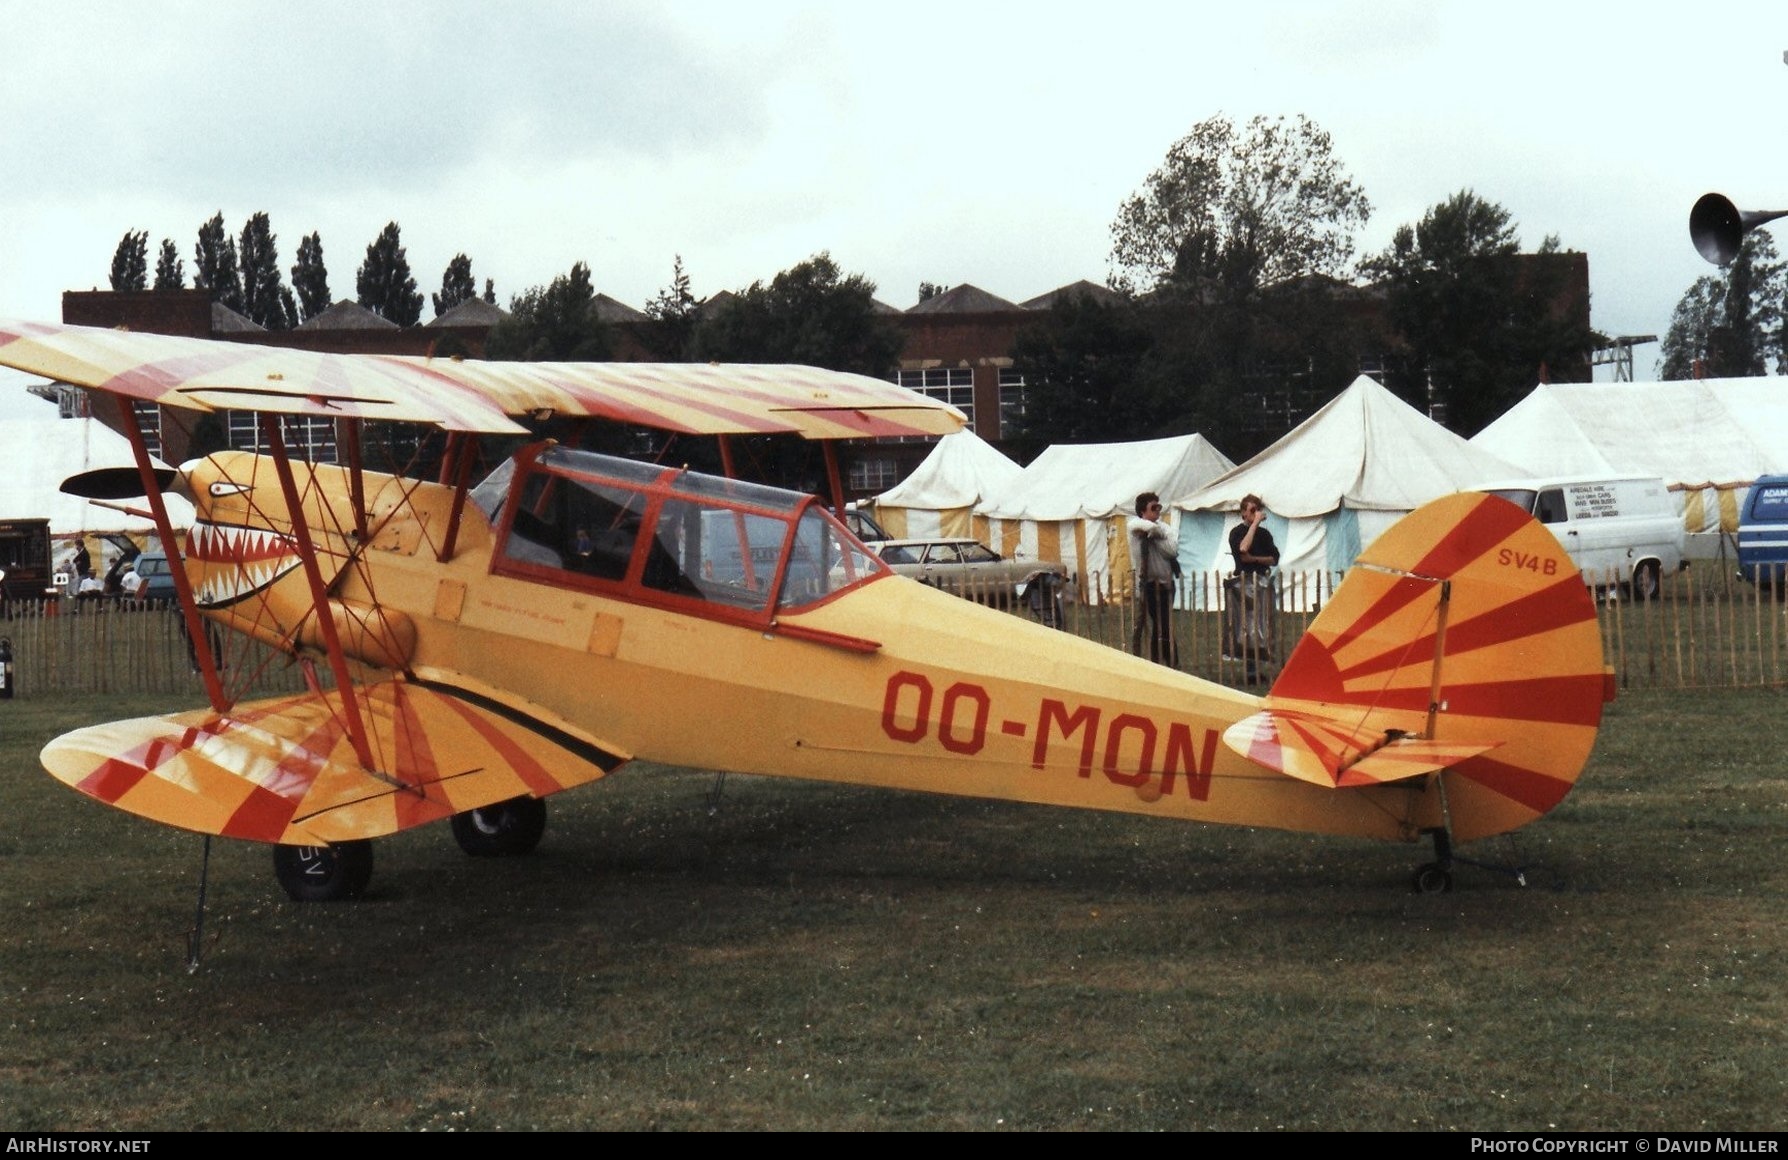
1433	878
1647	582
511	827
324	873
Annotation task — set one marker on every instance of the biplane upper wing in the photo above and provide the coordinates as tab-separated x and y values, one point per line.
471	395
283	770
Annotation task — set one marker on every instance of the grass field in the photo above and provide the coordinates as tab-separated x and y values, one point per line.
805	957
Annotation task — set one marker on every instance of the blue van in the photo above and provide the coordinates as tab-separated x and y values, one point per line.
1763	533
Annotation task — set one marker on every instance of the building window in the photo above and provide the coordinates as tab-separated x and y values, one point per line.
73	402
873	475
1011	402
952	385
149	422
307	437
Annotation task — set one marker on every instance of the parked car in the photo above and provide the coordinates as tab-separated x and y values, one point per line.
1763	534
158	579
863	526
970	569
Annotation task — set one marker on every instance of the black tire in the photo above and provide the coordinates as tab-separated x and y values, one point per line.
1433	878
324	873
496	831
1647	582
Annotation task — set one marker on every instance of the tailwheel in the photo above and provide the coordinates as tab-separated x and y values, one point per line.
1433	878
1436	877
324	873
511	827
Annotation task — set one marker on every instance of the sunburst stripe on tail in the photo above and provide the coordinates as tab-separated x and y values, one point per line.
1535	789
1529	616
1567	700
1477	535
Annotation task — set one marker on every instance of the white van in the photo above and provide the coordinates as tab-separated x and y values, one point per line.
1620	532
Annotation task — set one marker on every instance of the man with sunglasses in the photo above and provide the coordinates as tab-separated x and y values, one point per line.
1154	553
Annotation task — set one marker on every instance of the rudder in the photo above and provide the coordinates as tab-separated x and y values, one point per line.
1465	623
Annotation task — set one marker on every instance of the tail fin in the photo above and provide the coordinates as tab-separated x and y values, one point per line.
1465	634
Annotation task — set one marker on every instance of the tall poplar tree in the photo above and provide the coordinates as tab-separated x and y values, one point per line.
457	285
263	290
384	283
214	264
130	261
170	270
310	278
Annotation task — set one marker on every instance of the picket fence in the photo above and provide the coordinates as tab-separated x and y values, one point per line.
1706	629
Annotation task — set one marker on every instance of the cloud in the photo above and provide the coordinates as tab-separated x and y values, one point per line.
309	99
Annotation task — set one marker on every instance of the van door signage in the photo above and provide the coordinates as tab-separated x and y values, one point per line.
1593	501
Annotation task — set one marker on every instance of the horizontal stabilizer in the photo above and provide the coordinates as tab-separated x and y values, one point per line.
284	770
1325	752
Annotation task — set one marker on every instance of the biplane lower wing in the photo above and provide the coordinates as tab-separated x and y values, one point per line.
283	770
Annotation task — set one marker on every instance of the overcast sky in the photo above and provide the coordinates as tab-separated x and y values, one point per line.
918	141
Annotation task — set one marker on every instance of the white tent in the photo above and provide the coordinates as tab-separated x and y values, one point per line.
1334	482
1707	439
41	453
938	497
1071	503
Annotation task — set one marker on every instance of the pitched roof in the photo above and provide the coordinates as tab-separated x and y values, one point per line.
472	312
227	321
346	315
1104	295
611	310
963	299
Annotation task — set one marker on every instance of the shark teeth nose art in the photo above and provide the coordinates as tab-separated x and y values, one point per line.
237	561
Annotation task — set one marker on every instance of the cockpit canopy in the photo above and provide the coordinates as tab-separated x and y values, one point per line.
667	535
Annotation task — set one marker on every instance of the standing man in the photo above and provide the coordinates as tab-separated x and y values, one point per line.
1155	553
1251	594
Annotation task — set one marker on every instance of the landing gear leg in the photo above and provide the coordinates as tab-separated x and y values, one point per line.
1436	877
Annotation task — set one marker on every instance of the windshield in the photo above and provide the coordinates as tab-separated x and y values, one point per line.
1521	497
665	533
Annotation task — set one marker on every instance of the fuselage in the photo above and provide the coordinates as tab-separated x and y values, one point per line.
870	679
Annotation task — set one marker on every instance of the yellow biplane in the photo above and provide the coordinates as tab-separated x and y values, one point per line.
475	646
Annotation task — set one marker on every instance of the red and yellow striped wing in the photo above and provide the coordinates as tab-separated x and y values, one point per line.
284	770
692	398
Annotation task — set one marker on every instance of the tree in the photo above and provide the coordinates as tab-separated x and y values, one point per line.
457	285
130	261
810	313
1229	212
311	278
263	290
1080	365
490	291
556	322
1236	248
170	270
674	313
384	283
1729	324
214	265
1480	321
929	290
